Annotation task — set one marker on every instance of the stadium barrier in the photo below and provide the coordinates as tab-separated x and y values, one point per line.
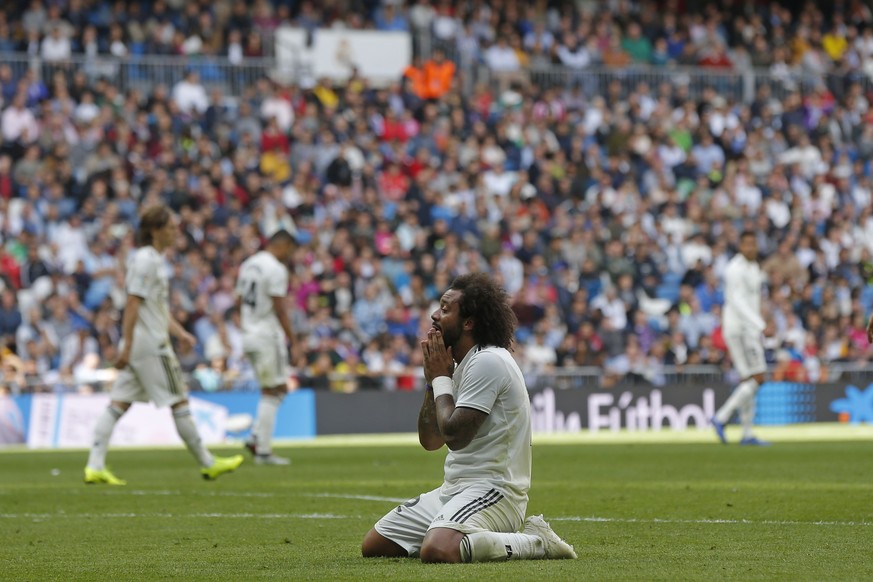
298	62
740	85
67	420
145	72
559	378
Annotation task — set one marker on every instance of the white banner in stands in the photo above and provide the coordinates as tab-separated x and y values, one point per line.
67	421
379	56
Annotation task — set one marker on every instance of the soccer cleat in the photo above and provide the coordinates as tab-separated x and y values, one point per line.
220	466
251	445
754	442
271	459
95	476
554	546
719	430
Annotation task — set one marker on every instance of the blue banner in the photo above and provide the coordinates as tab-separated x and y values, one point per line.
59	418
296	418
785	403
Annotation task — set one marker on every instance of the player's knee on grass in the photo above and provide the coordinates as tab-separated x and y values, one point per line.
442	545
375	545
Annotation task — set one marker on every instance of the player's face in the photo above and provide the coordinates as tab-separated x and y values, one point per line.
447	318
749	247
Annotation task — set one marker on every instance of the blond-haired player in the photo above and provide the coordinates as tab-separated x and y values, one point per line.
148	367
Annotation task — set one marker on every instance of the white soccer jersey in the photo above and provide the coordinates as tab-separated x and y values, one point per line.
743	280
261	277
148	279
488	379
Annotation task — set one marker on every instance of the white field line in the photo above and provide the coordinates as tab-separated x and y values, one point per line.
656	520
158	493
358	497
332	516
45	516
146	493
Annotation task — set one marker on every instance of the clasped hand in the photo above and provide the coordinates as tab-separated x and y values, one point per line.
437	357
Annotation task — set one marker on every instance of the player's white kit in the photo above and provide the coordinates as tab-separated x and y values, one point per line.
261	278
152	373
486	483
742	322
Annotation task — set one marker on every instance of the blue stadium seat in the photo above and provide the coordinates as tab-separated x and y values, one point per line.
671	278
816	294
669	291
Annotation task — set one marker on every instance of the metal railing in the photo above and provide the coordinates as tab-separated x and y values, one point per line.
739	85
146	71
588	377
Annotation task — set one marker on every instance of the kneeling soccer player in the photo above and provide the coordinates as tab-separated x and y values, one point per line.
480	409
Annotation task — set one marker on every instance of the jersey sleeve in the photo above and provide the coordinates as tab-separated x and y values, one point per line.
278	285
483	379
140	276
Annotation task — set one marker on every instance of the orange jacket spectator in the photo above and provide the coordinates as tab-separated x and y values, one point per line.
438	74
417	79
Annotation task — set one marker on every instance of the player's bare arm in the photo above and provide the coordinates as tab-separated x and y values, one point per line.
179	332
457	425
128	322
281	309
428	430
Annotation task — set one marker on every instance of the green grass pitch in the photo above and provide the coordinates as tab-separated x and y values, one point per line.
636	509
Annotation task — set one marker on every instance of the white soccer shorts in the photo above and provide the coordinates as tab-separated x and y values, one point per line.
155	378
270	361
747	353
477	508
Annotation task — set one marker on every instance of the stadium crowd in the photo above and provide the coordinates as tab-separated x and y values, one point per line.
608	216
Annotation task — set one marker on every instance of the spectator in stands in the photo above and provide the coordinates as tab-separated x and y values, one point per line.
439	74
389	18
637	45
190	95
579	182
503	61
19	123
10	317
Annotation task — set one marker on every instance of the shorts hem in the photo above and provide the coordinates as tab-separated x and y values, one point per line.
408	547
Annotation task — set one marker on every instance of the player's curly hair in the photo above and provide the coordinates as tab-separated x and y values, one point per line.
153	218
483	300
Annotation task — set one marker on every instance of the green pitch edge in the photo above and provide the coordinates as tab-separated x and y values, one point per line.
815	432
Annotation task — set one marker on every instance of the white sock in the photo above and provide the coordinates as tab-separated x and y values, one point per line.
743	393
102	433
488	546
268	408
188	432
747	417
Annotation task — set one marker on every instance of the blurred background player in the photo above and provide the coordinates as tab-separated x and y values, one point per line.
149	369
262	288
743	327
480	409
